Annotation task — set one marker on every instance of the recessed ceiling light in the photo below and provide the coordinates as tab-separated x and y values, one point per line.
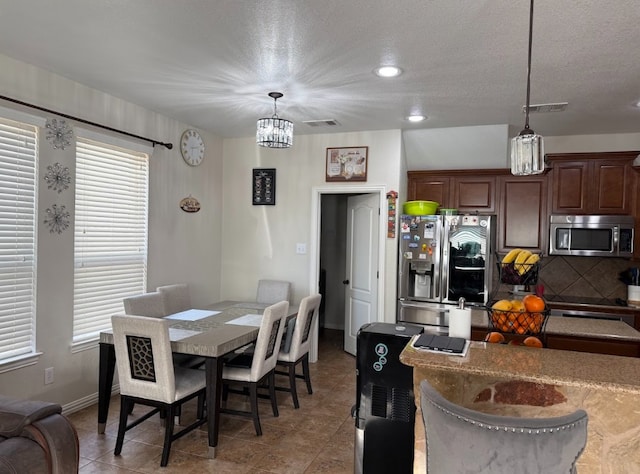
416	118
388	71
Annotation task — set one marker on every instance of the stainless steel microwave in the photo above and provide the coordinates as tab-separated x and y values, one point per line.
591	236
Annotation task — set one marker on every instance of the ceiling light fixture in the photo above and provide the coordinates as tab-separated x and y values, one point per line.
388	71
274	132
527	148
416	118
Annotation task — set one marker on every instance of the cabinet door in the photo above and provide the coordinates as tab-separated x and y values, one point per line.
613	187
570	187
522	220
425	188
474	194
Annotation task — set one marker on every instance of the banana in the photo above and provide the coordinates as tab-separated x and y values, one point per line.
511	256
522	257
529	263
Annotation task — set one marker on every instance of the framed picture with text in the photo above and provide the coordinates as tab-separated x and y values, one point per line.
347	164
264	187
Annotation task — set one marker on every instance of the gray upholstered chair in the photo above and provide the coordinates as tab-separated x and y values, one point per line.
296	350
152	305
464	440
148	377
147	304
251	371
176	297
272	291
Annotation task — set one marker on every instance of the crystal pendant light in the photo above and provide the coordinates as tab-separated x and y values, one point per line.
527	148
274	132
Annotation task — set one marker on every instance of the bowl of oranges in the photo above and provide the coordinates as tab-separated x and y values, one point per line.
526	316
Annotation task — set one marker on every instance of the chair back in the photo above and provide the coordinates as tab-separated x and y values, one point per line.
176	297
147	304
464	440
307	314
265	355
272	291
143	355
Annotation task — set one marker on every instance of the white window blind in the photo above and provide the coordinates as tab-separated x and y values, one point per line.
110	251
17	239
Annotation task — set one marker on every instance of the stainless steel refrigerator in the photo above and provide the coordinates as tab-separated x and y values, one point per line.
443	258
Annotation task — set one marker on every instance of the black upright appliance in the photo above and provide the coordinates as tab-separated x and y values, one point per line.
385	404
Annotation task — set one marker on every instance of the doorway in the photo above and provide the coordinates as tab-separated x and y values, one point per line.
328	253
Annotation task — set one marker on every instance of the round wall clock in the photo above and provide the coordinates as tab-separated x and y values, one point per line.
192	147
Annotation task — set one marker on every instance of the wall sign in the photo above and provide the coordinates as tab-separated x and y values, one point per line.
264	186
347	164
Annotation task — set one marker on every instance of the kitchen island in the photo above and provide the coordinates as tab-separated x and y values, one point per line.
525	381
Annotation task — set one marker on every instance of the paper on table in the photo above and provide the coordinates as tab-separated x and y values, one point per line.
176	334
247	320
192	314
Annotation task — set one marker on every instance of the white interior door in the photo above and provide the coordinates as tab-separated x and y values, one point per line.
361	276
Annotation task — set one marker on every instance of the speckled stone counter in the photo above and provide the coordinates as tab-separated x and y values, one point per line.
524	381
583	327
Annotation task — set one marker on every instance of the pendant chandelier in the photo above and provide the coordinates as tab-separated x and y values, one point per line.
527	149
274	132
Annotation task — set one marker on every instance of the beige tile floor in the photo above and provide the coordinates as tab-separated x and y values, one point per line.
316	438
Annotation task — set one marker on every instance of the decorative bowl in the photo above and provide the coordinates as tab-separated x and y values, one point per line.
420	208
448	212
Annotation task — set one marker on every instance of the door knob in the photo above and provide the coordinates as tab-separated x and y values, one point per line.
345	282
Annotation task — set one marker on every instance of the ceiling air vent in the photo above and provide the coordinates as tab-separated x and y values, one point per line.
539	108
322	123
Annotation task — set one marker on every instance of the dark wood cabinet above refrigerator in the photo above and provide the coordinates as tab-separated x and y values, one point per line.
520	203
574	183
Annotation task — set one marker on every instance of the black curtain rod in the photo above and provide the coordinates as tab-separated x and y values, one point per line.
169	146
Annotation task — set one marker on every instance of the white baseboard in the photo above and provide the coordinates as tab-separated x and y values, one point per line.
85	402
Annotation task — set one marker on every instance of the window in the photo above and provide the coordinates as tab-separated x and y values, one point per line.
18	157
110	250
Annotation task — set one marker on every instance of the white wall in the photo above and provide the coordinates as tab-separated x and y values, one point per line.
260	241
182	247
592	143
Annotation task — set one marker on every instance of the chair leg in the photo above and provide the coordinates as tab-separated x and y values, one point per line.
272	393
292	384
168	434
125	408
305	372
254	408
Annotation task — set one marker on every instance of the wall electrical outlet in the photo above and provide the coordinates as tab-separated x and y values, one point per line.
301	248
48	375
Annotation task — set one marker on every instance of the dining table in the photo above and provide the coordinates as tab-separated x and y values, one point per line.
220	329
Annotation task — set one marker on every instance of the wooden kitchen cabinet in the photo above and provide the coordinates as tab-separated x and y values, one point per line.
466	190
594	345
424	186
592	183
522	218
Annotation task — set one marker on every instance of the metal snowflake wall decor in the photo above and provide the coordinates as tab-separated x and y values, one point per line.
58	178
58	133
57	219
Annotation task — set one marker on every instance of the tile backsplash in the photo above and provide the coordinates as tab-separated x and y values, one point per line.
593	277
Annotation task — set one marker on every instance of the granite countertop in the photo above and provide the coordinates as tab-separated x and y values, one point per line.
548	366
581	327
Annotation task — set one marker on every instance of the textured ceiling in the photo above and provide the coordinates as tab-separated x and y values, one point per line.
211	63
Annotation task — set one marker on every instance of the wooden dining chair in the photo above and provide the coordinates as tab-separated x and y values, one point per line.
251	371
176	297
296	351
148	377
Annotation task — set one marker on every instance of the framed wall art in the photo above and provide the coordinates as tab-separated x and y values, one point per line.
264	186
347	164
